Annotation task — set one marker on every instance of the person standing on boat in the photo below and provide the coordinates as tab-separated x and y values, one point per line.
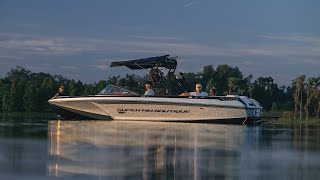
198	91
149	91
60	92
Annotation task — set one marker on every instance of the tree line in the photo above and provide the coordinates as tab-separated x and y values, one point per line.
25	91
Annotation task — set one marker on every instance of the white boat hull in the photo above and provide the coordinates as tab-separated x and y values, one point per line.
156	108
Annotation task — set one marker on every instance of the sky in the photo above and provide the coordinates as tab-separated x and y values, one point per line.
79	39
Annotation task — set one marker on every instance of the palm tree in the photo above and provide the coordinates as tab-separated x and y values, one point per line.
248	84
232	84
299	84
311	90
295	98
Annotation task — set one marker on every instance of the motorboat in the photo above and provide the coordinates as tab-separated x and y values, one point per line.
120	103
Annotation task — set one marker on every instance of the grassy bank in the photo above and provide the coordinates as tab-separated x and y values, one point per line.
29	115
287	117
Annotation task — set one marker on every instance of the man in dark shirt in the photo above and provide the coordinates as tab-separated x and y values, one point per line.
60	92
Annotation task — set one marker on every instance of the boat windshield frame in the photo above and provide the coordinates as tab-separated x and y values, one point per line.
111	89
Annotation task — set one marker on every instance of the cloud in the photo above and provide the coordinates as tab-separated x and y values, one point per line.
11	57
160	38
294	37
44	46
68	67
189	4
18	46
101	66
71	76
43	67
293	45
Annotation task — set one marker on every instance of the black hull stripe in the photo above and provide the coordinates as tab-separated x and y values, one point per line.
163	103
69	114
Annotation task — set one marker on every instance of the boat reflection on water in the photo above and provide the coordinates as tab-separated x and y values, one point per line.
151	150
142	149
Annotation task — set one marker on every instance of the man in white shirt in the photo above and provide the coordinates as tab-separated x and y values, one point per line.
149	91
198	91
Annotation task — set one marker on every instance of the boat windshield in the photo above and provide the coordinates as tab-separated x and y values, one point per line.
115	90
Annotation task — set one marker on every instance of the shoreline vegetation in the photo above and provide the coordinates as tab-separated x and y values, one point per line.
287	117
26	92
29	115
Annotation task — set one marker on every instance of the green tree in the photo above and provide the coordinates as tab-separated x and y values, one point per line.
5	105
30	98
18	74
72	88
233	84
131	81
4	91
207	74
89	89
274	107
45	87
13	100
210	85
223	72
191	80
18	78
102	84
1	94
262	91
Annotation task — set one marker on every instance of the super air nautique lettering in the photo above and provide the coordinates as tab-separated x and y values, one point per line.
152	111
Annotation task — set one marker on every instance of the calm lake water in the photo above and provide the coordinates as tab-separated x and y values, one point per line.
42	148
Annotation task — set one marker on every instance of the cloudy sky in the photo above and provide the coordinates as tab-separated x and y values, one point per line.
78	39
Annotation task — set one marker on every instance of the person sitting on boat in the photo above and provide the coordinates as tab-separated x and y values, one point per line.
149	91
212	91
60	92
198	91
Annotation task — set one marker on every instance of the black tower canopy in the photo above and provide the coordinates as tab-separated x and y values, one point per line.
147	63
155	64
